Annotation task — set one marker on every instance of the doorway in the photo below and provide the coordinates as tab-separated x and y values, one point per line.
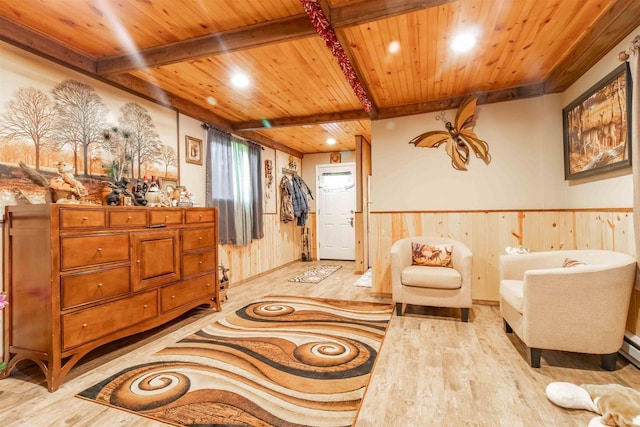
336	190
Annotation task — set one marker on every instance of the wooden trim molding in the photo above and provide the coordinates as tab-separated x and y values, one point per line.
622	210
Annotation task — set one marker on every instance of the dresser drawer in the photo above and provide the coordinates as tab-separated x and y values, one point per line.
198	263
87	325
197	238
128	218
82	218
93	250
185	292
165	216
82	288
194	217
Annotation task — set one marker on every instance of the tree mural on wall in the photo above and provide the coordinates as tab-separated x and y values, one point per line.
168	157
81	111
143	137
71	121
30	115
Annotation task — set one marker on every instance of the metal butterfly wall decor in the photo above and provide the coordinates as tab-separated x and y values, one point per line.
457	136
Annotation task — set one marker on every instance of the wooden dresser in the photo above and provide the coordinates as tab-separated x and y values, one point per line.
80	276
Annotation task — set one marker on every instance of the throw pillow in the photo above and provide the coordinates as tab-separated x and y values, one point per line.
432	255
568	262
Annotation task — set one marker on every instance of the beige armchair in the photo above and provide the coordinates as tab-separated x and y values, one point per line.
431	286
581	309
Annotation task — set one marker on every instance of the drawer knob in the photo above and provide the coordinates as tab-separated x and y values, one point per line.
99	285
84	325
199	262
199	237
145	306
85	218
208	284
99	249
138	261
173	297
128	218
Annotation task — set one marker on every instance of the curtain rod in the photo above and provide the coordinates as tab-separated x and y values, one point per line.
624	55
208	126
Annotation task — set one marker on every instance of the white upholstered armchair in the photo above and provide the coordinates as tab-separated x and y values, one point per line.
581	309
431	286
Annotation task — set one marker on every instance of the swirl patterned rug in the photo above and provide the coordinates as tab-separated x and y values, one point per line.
281	361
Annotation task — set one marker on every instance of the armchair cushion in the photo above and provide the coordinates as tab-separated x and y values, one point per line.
431	277
512	291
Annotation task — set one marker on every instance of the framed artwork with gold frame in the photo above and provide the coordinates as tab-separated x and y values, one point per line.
193	150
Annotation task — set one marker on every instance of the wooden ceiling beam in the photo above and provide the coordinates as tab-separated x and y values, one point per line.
357	13
280	30
286	29
146	89
343	116
490	97
39	44
613	25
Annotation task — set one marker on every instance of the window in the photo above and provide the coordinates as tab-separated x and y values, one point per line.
234	186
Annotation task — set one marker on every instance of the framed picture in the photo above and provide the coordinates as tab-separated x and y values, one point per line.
193	148
335	158
597	127
167	184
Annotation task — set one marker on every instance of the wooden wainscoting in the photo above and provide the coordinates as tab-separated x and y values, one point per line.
281	245
488	233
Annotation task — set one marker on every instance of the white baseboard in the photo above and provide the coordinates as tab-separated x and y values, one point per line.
631	348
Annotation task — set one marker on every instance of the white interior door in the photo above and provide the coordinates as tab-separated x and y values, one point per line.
335	211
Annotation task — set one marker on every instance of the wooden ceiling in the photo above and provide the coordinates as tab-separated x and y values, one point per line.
183	53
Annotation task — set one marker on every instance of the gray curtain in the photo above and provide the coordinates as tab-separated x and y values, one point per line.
219	182
234	186
634	64
255	162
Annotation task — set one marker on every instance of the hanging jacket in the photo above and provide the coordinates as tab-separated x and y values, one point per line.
299	200
286	197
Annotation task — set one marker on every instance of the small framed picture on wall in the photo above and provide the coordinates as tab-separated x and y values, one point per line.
193	150
335	158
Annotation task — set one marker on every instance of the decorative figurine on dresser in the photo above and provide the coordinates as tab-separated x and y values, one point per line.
80	276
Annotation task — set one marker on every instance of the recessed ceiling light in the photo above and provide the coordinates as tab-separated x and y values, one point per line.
394	47
331	141
240	80
211	100
463	42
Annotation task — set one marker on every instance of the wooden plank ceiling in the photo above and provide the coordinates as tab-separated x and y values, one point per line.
183	53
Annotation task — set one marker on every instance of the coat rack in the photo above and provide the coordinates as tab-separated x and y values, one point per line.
289	171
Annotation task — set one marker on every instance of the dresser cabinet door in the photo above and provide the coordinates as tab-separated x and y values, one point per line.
156	258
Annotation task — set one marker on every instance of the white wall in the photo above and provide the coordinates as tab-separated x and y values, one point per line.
309	163
407	178
192	176
527	169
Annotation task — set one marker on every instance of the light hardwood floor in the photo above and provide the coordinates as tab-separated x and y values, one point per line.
432	370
